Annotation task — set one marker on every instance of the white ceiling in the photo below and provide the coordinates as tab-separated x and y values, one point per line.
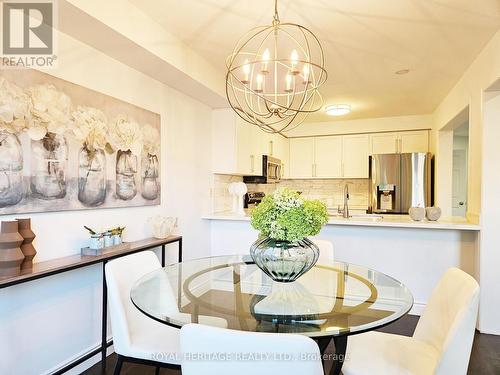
365	42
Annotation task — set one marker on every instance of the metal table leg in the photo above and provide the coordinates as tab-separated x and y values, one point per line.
339	354
340	349
104	323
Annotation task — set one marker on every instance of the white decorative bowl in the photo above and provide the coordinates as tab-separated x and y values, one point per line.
433	213
417	213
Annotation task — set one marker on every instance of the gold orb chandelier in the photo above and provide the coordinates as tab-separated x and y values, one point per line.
274	74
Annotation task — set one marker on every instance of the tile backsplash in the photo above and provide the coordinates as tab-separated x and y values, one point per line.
328	190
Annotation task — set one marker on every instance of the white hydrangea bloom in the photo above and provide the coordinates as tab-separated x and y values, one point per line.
50	111
90	127
126	135
15	107
151	139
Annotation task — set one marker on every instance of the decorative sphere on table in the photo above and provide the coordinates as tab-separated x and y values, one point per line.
433	213
417	213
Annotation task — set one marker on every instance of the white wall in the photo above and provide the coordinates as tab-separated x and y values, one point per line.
490	237
481	196
43	324
468	92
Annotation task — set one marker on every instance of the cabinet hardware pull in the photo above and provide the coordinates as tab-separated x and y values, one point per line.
251	164
271	148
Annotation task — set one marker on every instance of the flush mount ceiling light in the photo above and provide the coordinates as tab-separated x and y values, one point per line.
338	109
273	75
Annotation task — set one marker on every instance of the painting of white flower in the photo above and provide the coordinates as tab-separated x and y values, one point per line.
66	147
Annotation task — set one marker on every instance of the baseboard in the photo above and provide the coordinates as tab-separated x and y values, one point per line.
417	309
84	365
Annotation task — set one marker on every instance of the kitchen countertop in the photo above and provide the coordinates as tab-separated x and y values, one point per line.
394	221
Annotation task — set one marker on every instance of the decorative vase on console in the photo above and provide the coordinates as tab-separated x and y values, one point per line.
27	247
285	220
11	255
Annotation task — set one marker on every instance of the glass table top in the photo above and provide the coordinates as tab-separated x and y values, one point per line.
331	299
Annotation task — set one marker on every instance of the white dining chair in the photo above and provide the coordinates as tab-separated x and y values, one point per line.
325	250
136	337
442	341
215	351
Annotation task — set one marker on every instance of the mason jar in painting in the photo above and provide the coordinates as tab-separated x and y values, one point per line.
91	177
150	186
11	170
49	159
126	171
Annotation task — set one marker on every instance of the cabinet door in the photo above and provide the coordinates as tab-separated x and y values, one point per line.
246	163
355	156
385	143
256	140
224	142
281	151
328	157
301	157
416	141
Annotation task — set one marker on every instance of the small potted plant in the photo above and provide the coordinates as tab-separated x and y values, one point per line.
284	221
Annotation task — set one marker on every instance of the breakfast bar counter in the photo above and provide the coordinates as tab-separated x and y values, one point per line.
360	219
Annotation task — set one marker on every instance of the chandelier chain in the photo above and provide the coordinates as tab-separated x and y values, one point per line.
276	18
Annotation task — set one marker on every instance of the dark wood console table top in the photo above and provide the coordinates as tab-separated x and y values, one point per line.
68	263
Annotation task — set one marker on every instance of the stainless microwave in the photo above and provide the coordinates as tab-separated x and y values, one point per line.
271	172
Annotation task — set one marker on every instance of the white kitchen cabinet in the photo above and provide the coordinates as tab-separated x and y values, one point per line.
416	141
400	142
355	156
281	151
327	157
385	143
301	157
236	145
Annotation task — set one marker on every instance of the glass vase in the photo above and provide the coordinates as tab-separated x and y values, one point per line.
91	177
49	159
150	186
284	261
126	171
11	170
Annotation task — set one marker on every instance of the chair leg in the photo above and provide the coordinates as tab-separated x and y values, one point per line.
118	366
157	371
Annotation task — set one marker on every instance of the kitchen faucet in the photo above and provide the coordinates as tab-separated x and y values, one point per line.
345	211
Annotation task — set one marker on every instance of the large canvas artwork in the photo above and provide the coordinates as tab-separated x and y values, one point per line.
66	147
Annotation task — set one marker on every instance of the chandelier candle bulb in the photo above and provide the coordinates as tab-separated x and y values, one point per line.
294	57
246	72
265	62
260	83
289	79
305	72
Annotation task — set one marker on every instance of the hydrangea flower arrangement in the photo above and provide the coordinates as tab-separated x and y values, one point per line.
286	216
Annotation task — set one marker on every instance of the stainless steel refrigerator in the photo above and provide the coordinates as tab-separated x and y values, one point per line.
400	181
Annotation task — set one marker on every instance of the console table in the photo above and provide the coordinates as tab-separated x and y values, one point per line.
73	262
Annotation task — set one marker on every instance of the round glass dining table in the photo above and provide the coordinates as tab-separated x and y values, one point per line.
331	301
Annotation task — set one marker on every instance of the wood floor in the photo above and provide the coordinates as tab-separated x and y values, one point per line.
485	358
